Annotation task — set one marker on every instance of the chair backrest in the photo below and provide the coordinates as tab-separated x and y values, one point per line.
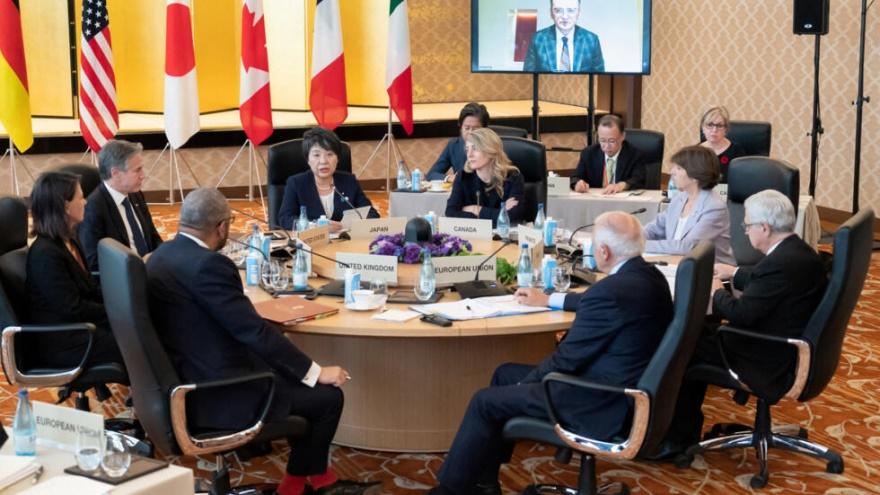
651	144
530	157
748	175
853	243
124	285
13	279
285	159
506	130
663	376
754	136
13	223
89	178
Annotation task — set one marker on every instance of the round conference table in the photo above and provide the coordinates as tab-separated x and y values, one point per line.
412	381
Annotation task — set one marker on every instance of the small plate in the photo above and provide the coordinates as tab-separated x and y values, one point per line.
362	307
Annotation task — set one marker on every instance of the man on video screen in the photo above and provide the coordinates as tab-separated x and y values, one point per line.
564	46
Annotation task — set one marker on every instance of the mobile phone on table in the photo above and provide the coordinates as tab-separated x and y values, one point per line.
437	320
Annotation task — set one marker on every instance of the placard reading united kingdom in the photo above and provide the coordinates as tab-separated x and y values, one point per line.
370	266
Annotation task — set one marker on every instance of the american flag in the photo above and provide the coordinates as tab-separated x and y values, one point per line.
98	117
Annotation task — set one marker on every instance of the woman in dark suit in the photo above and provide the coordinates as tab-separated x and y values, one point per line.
489	182
60	288
322	190
715	124
473	116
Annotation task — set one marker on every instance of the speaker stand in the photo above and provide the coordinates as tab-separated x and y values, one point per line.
861	99
816	129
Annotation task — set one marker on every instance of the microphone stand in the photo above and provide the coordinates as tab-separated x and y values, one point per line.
482	288
345	199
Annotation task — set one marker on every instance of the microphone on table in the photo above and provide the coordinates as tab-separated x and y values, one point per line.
345	199
482	288
573	251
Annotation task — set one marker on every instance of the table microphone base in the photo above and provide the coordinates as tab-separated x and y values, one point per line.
480	288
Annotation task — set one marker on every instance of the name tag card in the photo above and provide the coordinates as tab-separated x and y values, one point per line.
57	426
370	266
316	236
452	269
467	228
558	186
350	215
535	240
370	228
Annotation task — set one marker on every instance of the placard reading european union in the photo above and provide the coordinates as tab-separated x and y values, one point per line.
535	240
558	186
467	228
370	266
57	426
451	269
371	227
315	237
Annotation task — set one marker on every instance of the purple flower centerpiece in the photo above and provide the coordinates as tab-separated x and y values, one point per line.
411	252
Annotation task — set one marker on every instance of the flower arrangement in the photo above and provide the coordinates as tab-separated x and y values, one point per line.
411	252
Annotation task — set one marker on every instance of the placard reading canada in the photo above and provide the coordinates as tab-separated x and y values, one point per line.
370	266
451	269
467	228
371	227
558	186
57	426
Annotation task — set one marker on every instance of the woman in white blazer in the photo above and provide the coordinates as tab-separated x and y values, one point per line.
696	213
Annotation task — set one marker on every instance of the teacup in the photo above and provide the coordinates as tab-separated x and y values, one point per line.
437	185
363	298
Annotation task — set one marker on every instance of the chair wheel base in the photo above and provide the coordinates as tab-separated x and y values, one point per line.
683	461
759	481
834	467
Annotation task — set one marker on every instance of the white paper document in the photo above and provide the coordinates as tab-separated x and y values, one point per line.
482	307
16	468
396	315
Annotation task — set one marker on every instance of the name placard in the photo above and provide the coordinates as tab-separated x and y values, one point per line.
370	266
370	228
467	228
451	269
316	236
558	186
535	240
58	426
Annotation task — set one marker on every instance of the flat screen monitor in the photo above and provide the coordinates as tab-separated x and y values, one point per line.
600	36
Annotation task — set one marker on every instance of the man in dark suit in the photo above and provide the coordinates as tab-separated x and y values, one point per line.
620	321
212	331
564	46
611	163
117	208
473	116
779	295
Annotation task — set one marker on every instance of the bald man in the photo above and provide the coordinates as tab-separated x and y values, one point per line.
619	324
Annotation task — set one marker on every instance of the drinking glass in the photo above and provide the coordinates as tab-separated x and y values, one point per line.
380	292
279	275
266	274
537	278
561	279
88	449
234	252
117	457
424	290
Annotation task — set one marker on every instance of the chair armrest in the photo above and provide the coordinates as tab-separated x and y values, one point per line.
191	445
622	450
804	356
15	376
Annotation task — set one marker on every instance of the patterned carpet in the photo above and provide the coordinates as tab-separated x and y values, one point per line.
845	418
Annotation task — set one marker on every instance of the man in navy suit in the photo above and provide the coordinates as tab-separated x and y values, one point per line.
473	116
619	324
564	46
117	208
212	331
610	164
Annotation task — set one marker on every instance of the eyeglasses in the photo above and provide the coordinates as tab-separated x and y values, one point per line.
230	220
746	226
568	11
715	125
608	142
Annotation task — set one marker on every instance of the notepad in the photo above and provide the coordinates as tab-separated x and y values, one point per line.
293	310
15	468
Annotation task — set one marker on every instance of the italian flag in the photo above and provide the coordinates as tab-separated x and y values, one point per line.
398	70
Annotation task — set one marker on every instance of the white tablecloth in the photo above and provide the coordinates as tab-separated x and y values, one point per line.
409	205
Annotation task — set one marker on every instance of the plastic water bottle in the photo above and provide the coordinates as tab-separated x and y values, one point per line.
300	270
503	223
352	283
427	279
416	180
254	258
524	267
549	230
431	217
402	181
302	223
548	266
24	426
539	218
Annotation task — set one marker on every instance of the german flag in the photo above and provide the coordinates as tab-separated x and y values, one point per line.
15	105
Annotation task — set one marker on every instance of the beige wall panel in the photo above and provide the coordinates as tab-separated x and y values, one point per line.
47	49
365	41
286	42
138	31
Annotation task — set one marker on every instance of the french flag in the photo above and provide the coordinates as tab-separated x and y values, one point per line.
327	97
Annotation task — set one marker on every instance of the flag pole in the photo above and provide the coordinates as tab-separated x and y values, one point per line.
173	168
394	153
11	153
253	168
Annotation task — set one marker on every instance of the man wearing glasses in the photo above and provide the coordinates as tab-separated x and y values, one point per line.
564	46
610	164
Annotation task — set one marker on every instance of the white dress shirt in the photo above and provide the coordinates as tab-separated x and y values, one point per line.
118	198
570	38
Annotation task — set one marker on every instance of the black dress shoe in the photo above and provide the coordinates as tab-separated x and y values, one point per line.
487	489
666	452
348	487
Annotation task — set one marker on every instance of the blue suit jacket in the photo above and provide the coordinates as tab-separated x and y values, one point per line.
541	55
468	189
453	157
301	190
630	167
619	324
709	221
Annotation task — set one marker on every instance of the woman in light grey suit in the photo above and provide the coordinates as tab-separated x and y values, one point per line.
696	213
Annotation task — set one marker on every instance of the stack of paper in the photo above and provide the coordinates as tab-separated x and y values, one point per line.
482	307
15	468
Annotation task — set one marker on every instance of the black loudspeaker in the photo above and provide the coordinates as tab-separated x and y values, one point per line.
811	16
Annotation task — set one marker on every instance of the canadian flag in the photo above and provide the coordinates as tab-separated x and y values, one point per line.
181	90
255	101
327	97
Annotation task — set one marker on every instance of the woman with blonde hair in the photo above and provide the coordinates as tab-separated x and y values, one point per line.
489	182
714	125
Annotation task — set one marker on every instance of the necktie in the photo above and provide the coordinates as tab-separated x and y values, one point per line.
140	243
609	171
565	60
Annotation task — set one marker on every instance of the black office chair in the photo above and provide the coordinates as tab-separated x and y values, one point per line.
285	159
159	394
650	143
506	130
754	136
654	396
14	219
749	175
818	354
530	157
89	178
